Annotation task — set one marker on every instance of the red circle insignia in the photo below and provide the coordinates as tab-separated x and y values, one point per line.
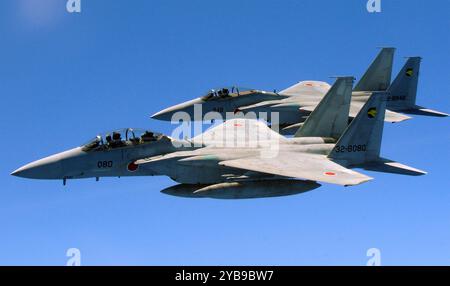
132	167
330	173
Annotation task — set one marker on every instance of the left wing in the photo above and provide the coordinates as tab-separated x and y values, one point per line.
300	165
311	87
238	132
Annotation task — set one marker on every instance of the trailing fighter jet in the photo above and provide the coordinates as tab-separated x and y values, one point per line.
295	103
241	158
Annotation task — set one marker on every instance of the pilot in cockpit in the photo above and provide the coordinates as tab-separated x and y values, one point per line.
115	140
224	92
116	136
148	136
108	139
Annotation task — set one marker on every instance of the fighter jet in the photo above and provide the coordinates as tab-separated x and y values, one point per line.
235	165
294	104
111	154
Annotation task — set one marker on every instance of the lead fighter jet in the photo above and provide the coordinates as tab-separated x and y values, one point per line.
241	158
295	103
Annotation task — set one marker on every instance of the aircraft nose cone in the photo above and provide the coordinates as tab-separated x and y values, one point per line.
47	168
166	114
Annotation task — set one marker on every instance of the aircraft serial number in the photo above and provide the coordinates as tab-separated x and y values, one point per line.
396	97
350	148
104	164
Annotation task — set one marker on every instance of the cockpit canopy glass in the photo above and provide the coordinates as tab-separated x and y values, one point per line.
121	138
225	92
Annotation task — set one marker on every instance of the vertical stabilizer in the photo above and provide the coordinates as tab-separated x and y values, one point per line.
361	141
378	76
330	117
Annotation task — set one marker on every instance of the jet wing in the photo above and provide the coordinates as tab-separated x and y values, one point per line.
311	87
238	132
298	165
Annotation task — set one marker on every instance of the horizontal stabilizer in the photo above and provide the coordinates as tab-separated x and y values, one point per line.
355	107
394	117
389	166
418	110
390	116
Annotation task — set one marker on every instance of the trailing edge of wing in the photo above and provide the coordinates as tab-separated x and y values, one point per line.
295	165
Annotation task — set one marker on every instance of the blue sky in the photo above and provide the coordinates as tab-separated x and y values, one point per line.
66	77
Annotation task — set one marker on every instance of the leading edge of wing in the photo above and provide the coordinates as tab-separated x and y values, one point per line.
303	166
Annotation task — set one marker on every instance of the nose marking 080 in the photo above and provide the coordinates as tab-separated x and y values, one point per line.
104	164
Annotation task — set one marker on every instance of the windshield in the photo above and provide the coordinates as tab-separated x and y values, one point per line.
121	138
225	92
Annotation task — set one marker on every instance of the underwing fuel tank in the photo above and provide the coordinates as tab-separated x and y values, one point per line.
242	189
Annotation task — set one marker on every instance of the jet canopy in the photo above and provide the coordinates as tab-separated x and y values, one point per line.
225	92
121	138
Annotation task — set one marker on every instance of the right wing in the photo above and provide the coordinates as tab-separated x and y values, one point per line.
303	166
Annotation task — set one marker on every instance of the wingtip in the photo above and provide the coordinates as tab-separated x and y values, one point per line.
156	115
364	180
